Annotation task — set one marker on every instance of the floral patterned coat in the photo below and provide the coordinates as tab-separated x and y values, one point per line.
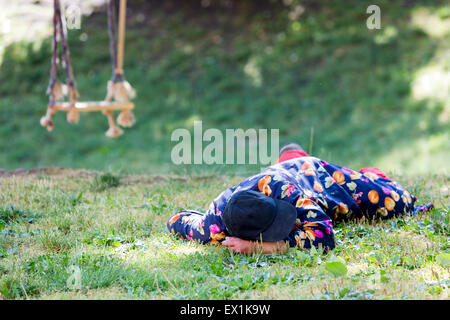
322	192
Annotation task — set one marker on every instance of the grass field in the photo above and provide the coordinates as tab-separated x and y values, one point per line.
56	222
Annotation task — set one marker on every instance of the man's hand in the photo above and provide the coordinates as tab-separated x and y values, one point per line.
238	245
249	247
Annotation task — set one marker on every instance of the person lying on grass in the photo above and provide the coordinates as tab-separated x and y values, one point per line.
294	204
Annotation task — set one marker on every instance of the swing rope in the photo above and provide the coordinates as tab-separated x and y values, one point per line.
118	88
72	116
112	35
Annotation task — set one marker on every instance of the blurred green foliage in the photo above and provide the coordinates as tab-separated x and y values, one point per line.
289	65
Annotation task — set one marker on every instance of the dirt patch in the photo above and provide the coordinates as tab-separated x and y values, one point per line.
149	179
82	173
51	171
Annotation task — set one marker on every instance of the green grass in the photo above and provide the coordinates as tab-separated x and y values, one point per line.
117	238
364	92
371	98
102	182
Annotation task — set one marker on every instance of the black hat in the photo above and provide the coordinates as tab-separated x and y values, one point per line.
251	215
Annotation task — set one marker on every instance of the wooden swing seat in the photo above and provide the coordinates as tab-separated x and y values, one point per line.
88	106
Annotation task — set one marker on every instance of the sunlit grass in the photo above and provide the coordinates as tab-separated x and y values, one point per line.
435	23
118	239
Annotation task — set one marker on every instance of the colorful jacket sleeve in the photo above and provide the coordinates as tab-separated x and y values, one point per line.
194	225
313	227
